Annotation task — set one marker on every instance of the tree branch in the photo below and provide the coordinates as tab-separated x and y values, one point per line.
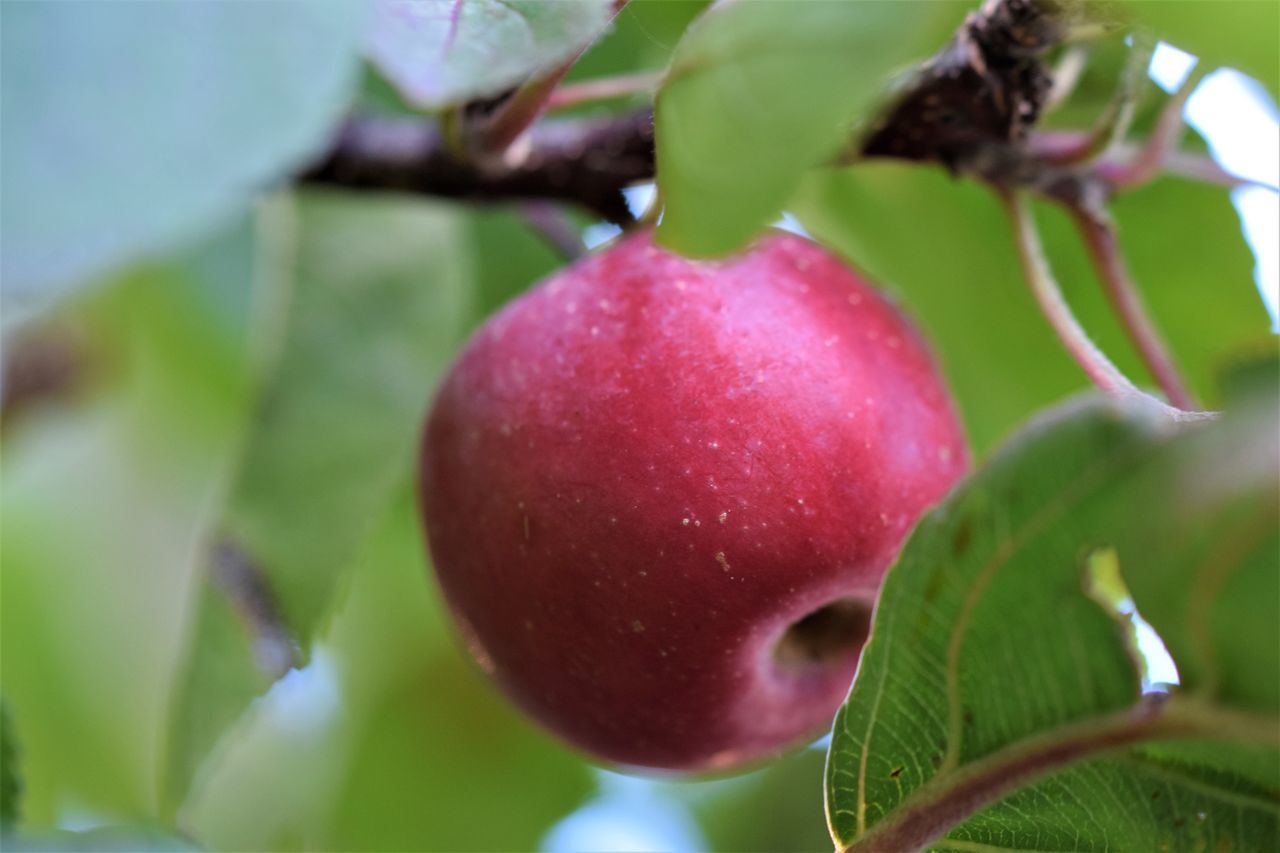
584	161
986	87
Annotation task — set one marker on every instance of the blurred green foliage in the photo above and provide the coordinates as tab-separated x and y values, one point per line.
942	246
10	775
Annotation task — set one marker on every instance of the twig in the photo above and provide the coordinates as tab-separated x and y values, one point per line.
1113	124
496	133
1066	76
1048	294
585	161
555	227
1162	142
1101	241
1198	167
1046	145
603	89
1099	236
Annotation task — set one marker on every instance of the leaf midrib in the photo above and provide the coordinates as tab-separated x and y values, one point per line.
947	799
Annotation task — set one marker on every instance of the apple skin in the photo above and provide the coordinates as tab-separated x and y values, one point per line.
640	473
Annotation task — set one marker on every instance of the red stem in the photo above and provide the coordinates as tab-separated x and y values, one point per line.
1095	364
1162	142
602	88
1100	239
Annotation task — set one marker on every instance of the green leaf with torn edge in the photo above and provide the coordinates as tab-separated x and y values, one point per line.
997	661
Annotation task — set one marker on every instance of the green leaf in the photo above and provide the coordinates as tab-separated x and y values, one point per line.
1136	802
379	298
1239	34
943	246
991	664
776	808
10	778
373	300
390	739
129	127
444	52
105	499
101	840
1202	564
641	39
757	93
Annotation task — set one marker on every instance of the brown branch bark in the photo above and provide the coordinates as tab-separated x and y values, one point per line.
986	87
584	161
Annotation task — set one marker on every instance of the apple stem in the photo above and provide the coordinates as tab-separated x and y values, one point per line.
603	89
1048	294
1100	238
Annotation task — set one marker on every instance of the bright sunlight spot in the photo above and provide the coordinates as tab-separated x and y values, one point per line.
1241	124
629	813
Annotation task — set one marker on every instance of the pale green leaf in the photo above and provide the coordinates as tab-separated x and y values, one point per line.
372	300
444	52
129	127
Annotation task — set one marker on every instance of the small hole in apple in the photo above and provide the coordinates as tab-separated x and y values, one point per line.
831	634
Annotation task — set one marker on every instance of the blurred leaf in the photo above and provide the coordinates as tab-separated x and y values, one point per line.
129	127
103	503
428	729
1241	34
757	93
375	296
509	257
641	38
217	679
1202	558
1251	371
104	840
963	694
407	754
944	247
10	777
380	293
444	52
776	809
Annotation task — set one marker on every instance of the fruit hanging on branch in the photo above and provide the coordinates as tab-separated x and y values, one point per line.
660	494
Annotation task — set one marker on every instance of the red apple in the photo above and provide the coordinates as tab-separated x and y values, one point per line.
660	494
